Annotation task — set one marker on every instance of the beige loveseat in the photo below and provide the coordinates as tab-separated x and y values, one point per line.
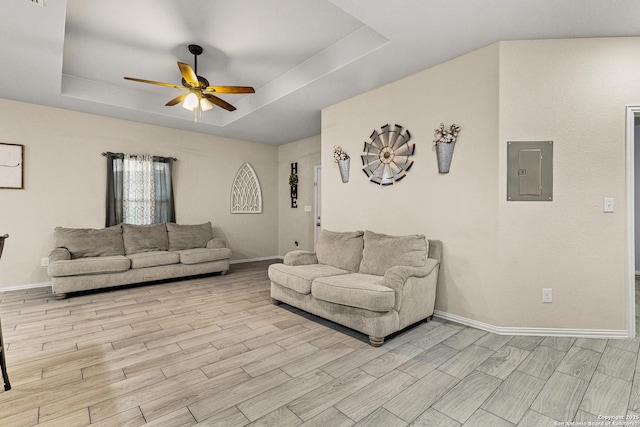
87	258
370	282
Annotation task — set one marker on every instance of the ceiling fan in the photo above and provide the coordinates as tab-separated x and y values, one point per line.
199	95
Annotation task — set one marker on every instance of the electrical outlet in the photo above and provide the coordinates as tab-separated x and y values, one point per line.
547	295
36	2
44	262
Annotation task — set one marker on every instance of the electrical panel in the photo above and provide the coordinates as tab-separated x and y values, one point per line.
530	170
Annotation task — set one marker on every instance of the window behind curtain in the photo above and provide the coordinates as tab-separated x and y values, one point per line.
139	189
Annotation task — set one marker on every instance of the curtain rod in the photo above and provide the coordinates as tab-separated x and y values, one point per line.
172	158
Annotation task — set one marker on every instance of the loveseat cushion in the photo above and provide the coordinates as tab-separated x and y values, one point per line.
90	242
299	277
82	266
144	238
340	250
188	236
199	255
355	290
382	252
153	259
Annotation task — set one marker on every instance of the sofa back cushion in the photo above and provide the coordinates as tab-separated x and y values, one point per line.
382	252
90	242
144	238
340	250
188	236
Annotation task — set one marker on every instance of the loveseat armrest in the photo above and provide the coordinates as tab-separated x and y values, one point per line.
300	258
216	243
397	277
59	254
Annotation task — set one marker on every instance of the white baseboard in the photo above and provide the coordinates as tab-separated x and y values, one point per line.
26	286
547	332
266	258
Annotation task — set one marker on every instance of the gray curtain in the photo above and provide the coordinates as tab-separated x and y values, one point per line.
164	200
165	209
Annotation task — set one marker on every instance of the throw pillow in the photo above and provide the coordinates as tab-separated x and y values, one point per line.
382	252
90	242
340	250
144	238
188	236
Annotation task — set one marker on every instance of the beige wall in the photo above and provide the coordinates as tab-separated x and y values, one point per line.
499	255
573	92
296	224
65	182
459	208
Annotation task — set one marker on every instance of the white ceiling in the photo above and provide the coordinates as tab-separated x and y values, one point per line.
300	55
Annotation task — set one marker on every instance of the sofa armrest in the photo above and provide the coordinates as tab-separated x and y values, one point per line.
300	258
216	243
59	254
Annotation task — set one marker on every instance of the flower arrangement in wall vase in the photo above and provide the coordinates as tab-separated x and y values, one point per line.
387	156
343	160
445	141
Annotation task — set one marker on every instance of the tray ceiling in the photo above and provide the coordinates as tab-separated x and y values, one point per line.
300	55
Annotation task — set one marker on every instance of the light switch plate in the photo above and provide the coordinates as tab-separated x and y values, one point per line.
608	204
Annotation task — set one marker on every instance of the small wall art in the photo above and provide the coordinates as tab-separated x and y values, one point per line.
293	184
11	166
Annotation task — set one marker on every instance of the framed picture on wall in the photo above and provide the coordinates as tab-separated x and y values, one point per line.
11	165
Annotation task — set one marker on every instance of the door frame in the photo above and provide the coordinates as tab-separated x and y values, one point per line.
317	203
632	111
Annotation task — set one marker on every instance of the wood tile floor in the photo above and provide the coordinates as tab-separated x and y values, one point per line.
215	351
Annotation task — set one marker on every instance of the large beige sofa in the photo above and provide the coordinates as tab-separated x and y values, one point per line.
370	282
87	259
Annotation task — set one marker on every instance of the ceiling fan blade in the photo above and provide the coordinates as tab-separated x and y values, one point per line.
188	75
219	102
230	89
177	100
156	83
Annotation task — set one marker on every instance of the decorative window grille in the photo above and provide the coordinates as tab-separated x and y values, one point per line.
246	196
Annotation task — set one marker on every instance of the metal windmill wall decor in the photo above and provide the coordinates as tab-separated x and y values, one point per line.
386	157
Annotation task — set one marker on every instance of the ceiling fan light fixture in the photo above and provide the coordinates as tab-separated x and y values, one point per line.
205	104
190	102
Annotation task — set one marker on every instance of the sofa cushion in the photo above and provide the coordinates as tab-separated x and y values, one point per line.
299	277
382	252
188	236
153	259
340	250
355	290
90	242
82	266
198	255
144	238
